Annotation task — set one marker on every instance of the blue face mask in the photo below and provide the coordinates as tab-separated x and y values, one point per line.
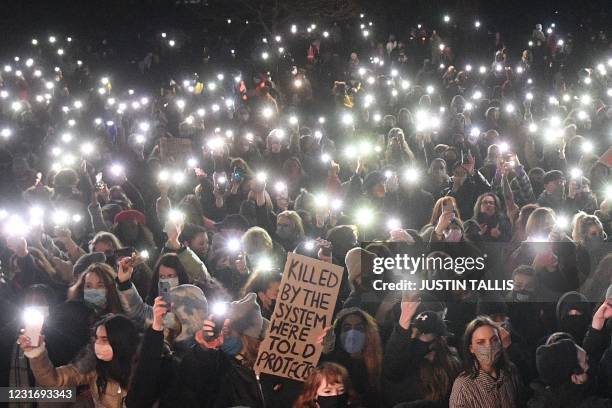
231	345
353	341
95	297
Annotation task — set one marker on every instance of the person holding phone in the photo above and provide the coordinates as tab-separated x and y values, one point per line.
114	346
467	185
218	371
489	223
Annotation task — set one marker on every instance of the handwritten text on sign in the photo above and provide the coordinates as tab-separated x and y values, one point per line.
304	307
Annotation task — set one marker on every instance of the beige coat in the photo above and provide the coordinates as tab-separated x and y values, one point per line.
69	376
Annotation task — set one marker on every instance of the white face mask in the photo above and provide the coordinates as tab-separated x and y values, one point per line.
103	352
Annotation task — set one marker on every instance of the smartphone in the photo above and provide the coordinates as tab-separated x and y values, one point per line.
237	176
124	252
218	317
221	180
99	182
33	320
448	208
164	292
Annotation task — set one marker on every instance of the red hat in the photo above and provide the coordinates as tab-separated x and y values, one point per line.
130	215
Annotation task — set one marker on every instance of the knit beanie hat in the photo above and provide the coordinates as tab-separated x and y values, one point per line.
190	308
245	317
354	260
557	362
86	260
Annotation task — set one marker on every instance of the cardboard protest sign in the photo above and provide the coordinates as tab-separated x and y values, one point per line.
606	158
174	149
304	307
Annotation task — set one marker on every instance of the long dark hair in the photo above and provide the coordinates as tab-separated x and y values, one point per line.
107	276
169	261
470	363
123	338
437	376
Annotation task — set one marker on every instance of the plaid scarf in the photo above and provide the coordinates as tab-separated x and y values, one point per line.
19	375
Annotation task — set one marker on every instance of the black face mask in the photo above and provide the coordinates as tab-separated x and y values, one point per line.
111	260
420	348
576	325
335	401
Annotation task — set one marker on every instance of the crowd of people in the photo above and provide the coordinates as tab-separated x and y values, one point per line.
150	226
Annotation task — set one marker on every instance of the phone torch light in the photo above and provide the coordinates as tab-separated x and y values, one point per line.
608	192
309	245
394	224
510	108
116	169
264	264
529	96
297	83
293	120
144	254
576	173
60	217
180	104
371	80
585	99
412	175
176	216
140	139
163	175
6	133
68	159
87	148
32	316
477	95
474	132
76	218
430	89
219	309
364	216
533	128
233	245
325	158
562	222
261	177
336	204
587	147
320	200
280	186
178	177
66	138
321	119
504	147
267	112
347	119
